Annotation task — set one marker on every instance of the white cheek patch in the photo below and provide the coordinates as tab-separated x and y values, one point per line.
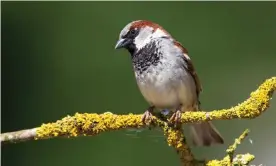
146	35
143	37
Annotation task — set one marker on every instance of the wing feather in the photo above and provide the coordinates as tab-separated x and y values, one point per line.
190	67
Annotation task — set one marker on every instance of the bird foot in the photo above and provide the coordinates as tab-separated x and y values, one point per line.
147	116
176	118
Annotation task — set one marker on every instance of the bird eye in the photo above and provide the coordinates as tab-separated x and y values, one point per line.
132	31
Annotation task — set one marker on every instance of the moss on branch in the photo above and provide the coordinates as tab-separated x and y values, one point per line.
90	124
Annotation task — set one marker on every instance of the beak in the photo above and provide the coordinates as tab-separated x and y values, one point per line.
122	43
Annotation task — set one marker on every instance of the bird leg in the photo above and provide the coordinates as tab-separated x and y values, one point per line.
176	117
147	116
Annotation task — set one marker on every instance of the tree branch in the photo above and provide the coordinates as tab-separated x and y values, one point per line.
90	124
18	136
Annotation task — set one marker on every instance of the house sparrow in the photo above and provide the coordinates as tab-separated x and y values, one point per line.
165	75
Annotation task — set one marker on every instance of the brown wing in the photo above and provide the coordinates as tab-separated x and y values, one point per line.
190	67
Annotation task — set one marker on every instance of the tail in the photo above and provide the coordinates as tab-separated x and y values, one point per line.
205	134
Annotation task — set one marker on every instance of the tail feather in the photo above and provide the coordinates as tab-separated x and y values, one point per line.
205	134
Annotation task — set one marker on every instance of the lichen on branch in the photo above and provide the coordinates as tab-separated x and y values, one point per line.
91	124
251	108
229	159
88	124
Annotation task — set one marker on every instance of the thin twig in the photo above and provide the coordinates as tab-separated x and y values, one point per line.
229	160
230	151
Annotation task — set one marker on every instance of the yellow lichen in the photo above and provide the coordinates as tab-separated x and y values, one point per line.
229	160
93	124
257	103
240	159
176	139
233	147
88	124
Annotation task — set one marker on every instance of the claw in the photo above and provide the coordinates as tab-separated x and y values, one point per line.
175	118
147	116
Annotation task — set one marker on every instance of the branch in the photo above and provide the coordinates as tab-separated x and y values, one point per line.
93	124
240	159
18	136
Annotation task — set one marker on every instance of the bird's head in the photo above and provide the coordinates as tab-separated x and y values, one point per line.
137	34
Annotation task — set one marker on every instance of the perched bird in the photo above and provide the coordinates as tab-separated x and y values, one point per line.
165	75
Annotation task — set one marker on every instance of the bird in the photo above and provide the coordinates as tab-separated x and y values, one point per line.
165	76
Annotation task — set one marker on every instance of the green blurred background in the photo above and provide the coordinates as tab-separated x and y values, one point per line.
58	58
